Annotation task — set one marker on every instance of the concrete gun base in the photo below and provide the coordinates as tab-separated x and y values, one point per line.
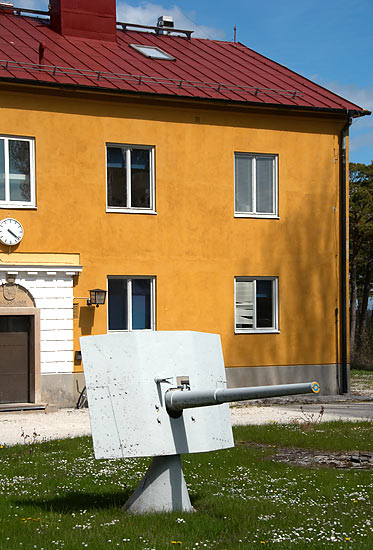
162	489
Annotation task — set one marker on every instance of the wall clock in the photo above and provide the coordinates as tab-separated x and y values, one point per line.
11	231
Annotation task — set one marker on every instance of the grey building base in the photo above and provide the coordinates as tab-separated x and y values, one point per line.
328	376
61	389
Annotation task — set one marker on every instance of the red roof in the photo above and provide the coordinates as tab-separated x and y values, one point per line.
202	68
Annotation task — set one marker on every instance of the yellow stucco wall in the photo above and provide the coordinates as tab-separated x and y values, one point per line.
194	245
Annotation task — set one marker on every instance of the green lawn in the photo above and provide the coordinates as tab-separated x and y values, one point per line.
361	379
55	495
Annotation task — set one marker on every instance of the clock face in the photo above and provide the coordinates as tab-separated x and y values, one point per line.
11	231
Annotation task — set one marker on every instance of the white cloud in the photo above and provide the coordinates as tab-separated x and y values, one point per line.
361	96
147	14
361	135
360	132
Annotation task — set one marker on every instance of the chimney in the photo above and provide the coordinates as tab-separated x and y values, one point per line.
86	19
6	7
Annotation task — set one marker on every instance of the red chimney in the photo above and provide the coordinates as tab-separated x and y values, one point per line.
92	19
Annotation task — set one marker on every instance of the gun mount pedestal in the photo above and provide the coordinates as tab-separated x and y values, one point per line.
162	489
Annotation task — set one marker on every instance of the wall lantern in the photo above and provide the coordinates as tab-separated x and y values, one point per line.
97	297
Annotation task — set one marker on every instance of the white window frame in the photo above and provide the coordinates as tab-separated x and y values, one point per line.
254	213
7	203
275	307
147	51
130	209
129	279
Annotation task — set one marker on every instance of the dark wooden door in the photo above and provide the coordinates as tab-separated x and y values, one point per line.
14	359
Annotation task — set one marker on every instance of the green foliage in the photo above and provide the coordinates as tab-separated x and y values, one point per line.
59	497
361	262
361	210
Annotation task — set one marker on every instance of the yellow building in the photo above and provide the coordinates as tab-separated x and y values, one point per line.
200	184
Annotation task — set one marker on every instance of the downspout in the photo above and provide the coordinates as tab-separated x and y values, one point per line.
344	379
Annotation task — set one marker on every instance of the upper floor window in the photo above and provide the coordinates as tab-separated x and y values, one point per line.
131	303
17	172
130	178
255	185
256	304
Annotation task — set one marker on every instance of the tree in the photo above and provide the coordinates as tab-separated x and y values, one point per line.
361	249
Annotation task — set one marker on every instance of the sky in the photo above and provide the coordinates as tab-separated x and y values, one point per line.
327	41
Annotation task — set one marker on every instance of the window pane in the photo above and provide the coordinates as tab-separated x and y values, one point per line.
116	176
141	304
264	302
140	178
244	304
2	171
117	304
19	171
264	185
152	51
243	184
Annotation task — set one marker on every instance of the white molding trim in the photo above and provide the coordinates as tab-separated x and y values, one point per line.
126	210
275	186
129	279
129	209
7	202
32	269
275	305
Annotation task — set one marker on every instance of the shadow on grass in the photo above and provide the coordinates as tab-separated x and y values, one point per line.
79	501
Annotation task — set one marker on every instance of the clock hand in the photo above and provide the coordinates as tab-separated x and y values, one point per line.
11	232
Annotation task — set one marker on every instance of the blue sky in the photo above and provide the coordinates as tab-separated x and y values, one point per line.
328	41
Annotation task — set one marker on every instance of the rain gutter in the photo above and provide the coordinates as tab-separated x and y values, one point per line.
344	386
179	98
344	372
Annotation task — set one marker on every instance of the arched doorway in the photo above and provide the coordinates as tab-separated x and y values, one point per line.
19	345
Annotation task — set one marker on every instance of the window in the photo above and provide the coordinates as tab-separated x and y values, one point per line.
130	178
131	303
17	178
153	52
256	304
255	185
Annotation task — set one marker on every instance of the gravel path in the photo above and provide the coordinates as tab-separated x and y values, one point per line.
72	422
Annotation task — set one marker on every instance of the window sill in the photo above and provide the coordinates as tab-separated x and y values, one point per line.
131	211
16	206
257	216
257	331
133	330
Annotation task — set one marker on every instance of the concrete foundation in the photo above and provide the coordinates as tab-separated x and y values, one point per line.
162	489
61	389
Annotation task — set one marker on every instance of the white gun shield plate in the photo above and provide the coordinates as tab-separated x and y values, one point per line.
126	406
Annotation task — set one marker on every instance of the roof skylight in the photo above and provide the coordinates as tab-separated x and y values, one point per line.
153	52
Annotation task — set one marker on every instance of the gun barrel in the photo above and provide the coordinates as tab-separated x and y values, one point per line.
177	400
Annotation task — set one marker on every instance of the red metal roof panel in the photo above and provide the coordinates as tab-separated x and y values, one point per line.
207	69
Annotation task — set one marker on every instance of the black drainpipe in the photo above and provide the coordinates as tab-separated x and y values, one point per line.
344	385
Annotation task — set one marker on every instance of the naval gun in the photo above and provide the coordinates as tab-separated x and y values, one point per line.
162	394
177	401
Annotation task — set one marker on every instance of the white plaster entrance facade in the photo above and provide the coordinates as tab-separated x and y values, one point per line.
43	294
